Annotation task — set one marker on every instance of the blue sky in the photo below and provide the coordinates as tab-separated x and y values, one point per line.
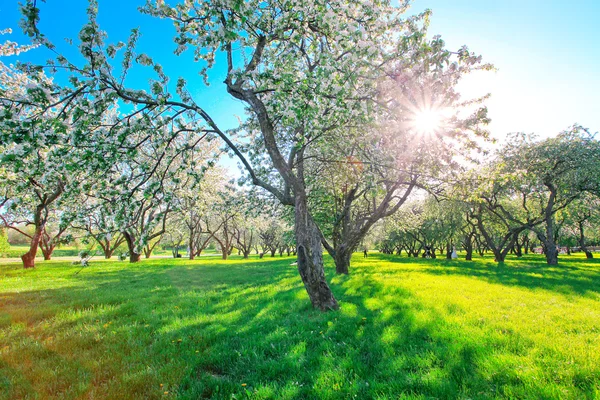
547	54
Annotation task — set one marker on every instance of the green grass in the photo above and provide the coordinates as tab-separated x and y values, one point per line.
16	251
240	329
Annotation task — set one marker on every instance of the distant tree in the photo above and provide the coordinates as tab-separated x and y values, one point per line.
552	173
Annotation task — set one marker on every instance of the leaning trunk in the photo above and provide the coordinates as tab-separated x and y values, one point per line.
310	257
29	257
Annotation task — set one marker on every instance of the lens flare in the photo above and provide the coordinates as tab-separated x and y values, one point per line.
428	121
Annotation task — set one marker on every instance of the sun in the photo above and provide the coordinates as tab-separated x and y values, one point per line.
428	121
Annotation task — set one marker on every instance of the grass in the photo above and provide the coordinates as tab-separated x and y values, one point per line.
16	251
407	328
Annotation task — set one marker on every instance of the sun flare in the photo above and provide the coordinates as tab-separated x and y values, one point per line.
428	121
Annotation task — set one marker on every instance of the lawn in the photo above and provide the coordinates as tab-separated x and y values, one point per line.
240	329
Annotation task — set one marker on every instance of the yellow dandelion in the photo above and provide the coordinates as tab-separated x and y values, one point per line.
243	384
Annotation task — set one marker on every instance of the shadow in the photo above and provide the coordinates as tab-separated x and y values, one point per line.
245	329
574	276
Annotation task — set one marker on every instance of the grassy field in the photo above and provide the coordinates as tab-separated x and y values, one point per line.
240	329
16	251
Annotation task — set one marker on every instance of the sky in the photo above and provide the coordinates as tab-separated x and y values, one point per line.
547	55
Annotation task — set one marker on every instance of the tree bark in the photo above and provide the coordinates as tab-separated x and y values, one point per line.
133	255
310	257
47	252
342	261
469	247
29	257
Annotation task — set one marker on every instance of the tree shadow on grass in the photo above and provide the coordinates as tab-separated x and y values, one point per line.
280	348
217	331
573	277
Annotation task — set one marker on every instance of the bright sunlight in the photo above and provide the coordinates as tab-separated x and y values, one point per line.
428	121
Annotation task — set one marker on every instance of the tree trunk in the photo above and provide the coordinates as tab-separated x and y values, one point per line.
310	257
551	252
191	250
499	255
588	254
247	254
548	242
29	257
133	255
108	253
342	261
469	248
47	252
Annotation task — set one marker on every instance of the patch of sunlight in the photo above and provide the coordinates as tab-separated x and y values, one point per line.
348	309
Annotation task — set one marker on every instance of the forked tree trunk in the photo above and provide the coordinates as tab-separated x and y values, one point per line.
29	257
133	255
108	253
310	258
47	252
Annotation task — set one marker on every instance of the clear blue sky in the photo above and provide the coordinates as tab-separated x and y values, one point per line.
547	54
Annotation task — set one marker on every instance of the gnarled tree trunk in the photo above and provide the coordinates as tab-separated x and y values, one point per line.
310	258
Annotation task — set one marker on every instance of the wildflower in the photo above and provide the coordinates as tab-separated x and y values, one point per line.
243	384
